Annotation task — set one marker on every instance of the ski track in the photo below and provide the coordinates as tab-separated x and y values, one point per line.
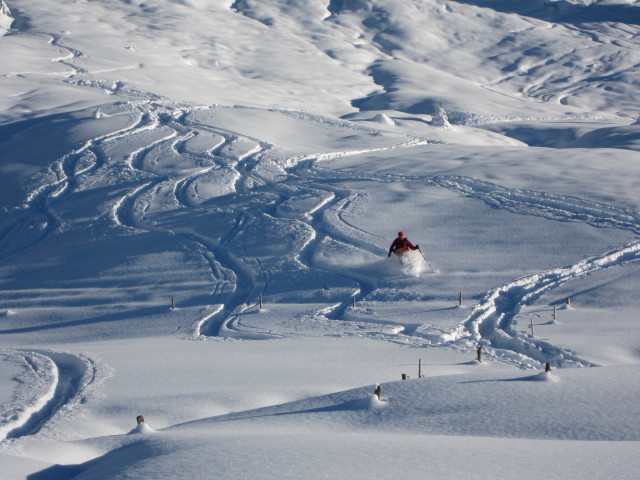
161	128
225	268
70	379
168	127
237	284
492	322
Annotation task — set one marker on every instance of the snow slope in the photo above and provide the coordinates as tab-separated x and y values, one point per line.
196	202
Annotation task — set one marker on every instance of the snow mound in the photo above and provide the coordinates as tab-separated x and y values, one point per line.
440	118
383	119
142	428
541	377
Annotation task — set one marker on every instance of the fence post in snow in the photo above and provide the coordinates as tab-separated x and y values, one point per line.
260	301
547	367
353	302
531	326
378	391
554	312
568	301
173	304
419	368
460	299
479	354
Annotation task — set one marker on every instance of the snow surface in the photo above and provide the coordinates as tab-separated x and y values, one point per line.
196	202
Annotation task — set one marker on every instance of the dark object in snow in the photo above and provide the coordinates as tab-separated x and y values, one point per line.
547	367
378	391
479	353
140	419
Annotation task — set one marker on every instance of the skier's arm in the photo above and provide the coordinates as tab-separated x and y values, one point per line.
392	247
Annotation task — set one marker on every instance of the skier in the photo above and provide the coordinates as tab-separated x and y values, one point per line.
401	245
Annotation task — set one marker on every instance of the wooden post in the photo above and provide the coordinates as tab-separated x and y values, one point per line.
173	304
260	301
419	368
547	367
140	419
378	391
479	354
531	326
568	301
460	299
554	312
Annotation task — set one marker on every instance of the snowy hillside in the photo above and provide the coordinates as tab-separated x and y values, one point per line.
197	200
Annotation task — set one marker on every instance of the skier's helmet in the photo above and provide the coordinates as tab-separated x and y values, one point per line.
401	234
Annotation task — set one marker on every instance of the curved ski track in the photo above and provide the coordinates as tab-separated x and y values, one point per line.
238	285
71	378
491	323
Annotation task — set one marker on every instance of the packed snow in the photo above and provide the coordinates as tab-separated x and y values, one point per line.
197	199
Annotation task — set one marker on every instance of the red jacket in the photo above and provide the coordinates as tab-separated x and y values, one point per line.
401	245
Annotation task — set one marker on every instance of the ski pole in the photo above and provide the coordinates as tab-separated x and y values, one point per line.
425	259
